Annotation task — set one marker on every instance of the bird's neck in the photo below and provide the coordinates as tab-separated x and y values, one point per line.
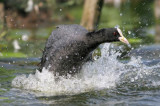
96	37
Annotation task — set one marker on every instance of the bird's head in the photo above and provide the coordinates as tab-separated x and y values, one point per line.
118	35
107	35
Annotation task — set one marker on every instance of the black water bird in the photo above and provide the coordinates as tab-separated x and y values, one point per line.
69	46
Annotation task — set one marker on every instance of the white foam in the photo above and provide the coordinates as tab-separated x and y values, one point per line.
104	73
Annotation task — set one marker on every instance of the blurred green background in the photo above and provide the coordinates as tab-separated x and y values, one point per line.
26	24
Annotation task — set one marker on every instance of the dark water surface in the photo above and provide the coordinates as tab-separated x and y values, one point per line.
139	85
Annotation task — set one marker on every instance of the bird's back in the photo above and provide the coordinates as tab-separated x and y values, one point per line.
65	32
65	40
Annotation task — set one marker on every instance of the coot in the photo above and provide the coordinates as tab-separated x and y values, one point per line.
69	46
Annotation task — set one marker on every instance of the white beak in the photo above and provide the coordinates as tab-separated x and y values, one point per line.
122	38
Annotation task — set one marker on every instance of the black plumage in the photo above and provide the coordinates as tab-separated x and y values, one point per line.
68	47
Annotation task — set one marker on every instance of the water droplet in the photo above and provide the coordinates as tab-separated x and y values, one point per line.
73	68
70	71
129	45
95	57
25	37
129	32
60	9
117	26
132	79
121	14
136	77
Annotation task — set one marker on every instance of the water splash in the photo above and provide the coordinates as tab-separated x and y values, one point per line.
105	73
16	46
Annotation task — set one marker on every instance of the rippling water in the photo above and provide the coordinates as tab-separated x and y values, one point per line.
106	81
